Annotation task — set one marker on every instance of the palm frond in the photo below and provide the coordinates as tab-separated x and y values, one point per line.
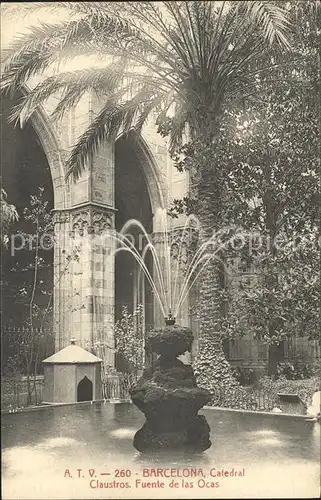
271	18
113	119
196	54
68	101
97	79
23	9
39	37
34	52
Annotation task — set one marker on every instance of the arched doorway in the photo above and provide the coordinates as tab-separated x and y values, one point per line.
26	271
132	202
85	390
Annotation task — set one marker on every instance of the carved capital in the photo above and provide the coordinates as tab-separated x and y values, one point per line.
91	220
178	237
101	220
184	235
183	244
158	237
61	217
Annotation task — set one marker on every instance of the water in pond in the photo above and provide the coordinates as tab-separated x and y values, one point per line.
279	456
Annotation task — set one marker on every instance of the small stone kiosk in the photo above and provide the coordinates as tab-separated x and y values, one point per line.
72	375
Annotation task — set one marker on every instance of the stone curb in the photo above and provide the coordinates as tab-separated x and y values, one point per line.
55	405
118	401
258	412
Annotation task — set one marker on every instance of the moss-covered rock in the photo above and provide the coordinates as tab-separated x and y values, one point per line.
168	395
170	341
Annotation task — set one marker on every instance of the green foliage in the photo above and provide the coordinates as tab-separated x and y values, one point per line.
245	376
304	388
13	367
181	206
9	215
170	341
291	307
29	293
28	289
191	63
130	337
276	151
264	169
185	61
296	370
24	349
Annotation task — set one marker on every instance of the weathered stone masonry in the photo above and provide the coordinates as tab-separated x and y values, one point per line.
84	220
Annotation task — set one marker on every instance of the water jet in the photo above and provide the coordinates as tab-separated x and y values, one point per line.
167	392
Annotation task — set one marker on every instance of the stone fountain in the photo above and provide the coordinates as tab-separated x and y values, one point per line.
167	392
168	395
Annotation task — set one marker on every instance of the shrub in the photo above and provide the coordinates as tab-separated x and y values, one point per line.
304	388
245	376
129	339
296	370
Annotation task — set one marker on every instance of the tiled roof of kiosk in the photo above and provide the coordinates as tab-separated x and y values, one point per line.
72	354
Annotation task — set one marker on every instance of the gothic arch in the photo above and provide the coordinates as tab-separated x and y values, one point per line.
154	177
53	151
155	181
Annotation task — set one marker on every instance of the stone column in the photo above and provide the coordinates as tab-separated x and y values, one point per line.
84	253
183	247
84	275
158	239
92	229
62	286
179	264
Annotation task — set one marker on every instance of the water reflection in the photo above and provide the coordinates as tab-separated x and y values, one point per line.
281	455
123	433
167	459
58	442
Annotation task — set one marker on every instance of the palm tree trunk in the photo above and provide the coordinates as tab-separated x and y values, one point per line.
212	368
211	364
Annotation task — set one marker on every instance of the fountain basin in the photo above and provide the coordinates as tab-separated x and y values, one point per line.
280	454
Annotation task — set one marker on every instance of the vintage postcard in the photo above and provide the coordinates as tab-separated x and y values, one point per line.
160	249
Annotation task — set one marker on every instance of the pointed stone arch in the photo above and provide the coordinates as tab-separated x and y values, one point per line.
155	178
153	174
54	152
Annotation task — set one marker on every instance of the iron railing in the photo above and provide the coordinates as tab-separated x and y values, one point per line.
235	398
15	393
21	345
239	398
118	386
19	392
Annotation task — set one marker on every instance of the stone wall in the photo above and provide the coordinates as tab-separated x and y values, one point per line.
84	213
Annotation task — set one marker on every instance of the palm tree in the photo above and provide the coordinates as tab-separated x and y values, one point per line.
183	61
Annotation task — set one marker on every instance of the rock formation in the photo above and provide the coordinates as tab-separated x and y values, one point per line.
168	396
